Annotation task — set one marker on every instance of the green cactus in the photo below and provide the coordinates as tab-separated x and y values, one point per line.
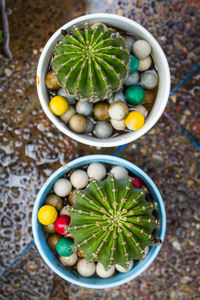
91	63
112	222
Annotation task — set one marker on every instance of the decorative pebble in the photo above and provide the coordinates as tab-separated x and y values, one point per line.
144	64
72	197
63	93
141	109
61	224
118	111
69	113
118	125
102	272
149	98
89	126
65	210
51	81
120	173
81	254
49	228
141	49
119	96
96	171
47	214
58	105
53	240
79	179
133	64
84	108
137	182
86	268
149	79
78	123
129	42
132	79
62	187
103	130
134	94
122	269
64	247
69	260
135	120
55	201
101	111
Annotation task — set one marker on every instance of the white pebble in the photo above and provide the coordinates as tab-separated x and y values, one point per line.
119	125
96	171
119	96
65	210
103	130
118	111
132	78
129	42
85	268
144	64
122	269
141	109
63	93
69	113
102	272
120	173
89	126
69	260
62	187
141	49
79	179
84	108
149	79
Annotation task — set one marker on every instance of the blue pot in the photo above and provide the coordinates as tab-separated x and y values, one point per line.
68	273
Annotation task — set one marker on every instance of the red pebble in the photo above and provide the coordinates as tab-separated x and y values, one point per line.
61	224
137	182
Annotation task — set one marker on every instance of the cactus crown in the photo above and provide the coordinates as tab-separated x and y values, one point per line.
91	63
112	222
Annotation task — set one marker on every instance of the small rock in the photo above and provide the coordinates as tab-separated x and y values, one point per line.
35	51
132	79
8	72
173	98
176	245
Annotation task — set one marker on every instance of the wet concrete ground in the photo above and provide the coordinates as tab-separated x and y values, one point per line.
32	148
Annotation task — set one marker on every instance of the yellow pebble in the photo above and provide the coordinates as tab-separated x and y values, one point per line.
58	105
47	214
135	120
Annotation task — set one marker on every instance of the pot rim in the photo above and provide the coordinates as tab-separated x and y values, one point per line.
162	95
94	282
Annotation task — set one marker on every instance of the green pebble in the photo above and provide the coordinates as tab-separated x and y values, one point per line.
134	95
64	247
133	65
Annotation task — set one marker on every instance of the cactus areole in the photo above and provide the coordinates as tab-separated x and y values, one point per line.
91	63
112	222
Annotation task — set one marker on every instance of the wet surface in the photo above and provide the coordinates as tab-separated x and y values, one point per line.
32	148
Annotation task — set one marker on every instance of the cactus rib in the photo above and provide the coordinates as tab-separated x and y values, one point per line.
112	222
91	64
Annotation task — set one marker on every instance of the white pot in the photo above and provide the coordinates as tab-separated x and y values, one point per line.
160	62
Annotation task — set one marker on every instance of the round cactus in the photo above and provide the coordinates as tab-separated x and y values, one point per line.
91	63
112	222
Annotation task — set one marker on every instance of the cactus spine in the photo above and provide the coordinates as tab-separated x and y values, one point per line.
91	63
112	222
